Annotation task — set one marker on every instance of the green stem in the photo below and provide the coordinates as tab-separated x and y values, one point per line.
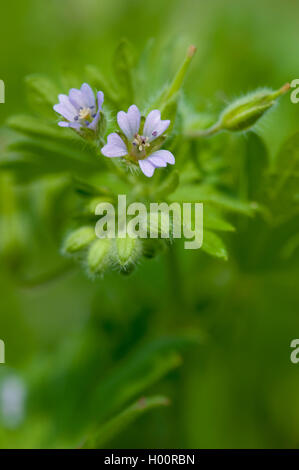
204	132
175	280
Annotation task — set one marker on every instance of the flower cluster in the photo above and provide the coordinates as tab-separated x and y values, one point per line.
138	142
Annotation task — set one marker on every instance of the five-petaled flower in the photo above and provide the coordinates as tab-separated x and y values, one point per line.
80	109
139	143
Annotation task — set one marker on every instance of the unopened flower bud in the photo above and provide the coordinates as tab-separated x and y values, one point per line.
98	258
244	112
127	251
79	239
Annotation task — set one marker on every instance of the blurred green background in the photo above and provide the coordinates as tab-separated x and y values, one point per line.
76	348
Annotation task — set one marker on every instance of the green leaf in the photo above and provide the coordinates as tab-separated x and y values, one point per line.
123	63
142	369
61	155
44	157
286	167
98	81
168	186
213	245
124	419
283	182
290	246
255	164
51	134
24	169
208	194
35	127
42	94
178	80
213	220
89	190
169	111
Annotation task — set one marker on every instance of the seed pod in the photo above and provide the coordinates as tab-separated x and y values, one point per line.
79	239
98	257
128	251
245	112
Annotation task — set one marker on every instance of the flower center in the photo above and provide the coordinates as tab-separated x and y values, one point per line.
86	114
140	142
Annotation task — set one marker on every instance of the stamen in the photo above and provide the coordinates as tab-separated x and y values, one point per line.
85	113
141	142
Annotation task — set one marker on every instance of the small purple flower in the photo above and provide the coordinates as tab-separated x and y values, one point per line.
139	145
80	109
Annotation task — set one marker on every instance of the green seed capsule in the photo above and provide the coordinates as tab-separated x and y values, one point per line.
98	258
79	239
245	112
127	251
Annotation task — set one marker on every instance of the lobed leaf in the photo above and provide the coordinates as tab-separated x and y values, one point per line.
213	245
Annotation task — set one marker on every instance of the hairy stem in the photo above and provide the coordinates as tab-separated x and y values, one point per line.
204	132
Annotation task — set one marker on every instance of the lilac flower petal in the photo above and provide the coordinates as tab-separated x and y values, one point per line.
154	126
164	155
160	129
129	122
100	99
65	108
157	161
65	101
88	95
146	167
94	124
151	121
77	99
64	111
63	124
75	125
115	146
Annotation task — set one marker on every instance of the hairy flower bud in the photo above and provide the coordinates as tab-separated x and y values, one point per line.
98	258
79	239
244	112
127	251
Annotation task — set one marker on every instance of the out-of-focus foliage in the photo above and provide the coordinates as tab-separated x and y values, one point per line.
208	336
